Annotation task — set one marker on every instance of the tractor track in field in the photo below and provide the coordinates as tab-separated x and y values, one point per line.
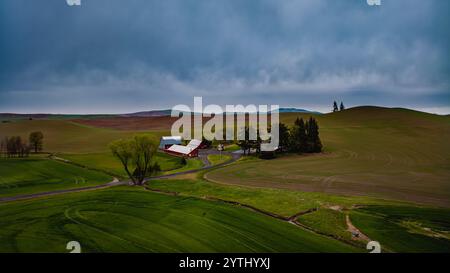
115	182
290	219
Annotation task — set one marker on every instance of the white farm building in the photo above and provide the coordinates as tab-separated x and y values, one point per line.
167	141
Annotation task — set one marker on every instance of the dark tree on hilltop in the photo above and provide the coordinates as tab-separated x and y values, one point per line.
36	140
335	107
342	107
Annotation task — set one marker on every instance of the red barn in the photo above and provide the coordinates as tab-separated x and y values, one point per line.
190	150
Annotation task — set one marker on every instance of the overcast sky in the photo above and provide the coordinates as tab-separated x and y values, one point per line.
113	56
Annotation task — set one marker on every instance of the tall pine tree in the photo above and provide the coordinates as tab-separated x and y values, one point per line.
314	144
335	107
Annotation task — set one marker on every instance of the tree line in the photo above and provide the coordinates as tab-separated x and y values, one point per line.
302	137
15	146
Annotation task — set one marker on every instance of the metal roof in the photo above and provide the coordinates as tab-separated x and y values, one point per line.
193	144
176	138
180	149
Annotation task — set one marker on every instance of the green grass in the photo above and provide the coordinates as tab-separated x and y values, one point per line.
135	220
107	162
216	159
405	229
232	148
278	201
34	175
191	164
400	227
388	153
327	221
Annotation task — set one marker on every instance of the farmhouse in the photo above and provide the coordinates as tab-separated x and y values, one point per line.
167	141
190	150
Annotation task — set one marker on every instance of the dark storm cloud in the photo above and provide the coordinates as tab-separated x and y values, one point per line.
114	56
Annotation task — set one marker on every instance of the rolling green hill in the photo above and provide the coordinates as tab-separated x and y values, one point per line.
35	175
389	153
135	220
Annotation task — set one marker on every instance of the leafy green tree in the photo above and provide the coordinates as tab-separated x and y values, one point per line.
137	157
15	147
36	140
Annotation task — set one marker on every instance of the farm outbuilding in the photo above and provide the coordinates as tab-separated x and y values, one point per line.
167	141
190	150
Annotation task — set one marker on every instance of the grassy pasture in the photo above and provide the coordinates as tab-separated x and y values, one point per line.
107	162
34	175
191	164
405	229
282	202
135	220
218	159
399	227
388	153
327	221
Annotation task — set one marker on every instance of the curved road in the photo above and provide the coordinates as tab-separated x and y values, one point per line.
203	155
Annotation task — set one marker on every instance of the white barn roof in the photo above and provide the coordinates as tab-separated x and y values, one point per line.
175	138
193	144
180	149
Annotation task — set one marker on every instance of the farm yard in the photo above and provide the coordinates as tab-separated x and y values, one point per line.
383	171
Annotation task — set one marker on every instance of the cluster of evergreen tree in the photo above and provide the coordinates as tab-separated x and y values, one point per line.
303	137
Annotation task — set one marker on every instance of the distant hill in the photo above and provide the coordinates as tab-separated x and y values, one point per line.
167	112
153	113
297	110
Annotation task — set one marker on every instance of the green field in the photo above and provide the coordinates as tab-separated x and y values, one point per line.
394	237
327	221
35	175
405	229
377	166
191	164
216	159
134	220
388	153
107	162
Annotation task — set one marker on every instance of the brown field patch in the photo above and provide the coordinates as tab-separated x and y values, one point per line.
130	123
